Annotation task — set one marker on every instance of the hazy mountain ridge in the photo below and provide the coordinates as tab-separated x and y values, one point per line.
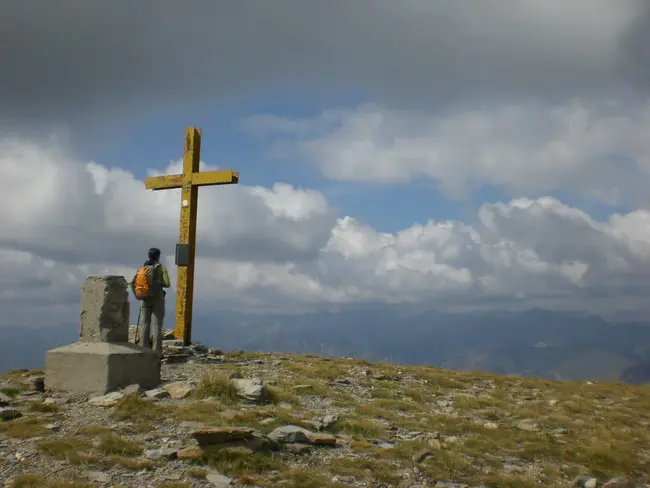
547	344
540	343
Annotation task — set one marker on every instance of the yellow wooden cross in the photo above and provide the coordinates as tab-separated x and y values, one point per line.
189	181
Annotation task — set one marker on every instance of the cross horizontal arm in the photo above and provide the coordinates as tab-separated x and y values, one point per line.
207	178
219	177
163	182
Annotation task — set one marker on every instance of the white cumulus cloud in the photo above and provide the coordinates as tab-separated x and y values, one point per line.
285	248
601	150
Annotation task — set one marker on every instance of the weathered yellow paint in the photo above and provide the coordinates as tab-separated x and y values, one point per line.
221	177
163	182
189	183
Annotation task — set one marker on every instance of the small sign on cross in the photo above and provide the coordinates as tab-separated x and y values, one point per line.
189	181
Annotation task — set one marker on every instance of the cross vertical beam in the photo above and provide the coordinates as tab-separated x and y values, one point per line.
189	182
187	235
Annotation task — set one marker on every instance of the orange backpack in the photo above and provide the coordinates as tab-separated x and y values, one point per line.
144	284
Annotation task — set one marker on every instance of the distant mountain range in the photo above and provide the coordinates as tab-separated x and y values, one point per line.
539	343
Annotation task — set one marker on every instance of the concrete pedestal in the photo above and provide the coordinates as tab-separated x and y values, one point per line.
96	368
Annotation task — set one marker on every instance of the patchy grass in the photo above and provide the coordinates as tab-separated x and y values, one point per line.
445	425
366	469
300	478
130	463
24	428
114	444
138	409
600	429
19	375
219	386
360	428
13	391
93	430
238	354
41	407
239	462
396	405
198	473
278	394
28	480
316	368
31	480
207	412
75	450
110	450
68	484
141	427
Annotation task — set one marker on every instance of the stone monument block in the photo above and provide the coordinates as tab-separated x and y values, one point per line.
103	360
105	310
97	368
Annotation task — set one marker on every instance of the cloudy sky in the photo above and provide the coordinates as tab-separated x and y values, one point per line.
451	154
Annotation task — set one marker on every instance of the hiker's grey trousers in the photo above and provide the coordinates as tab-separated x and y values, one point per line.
152	314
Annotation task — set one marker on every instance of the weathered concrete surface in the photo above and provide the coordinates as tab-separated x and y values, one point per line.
97	368
104	314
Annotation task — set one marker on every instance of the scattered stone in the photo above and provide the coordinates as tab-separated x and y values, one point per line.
295	434
98	476
584	482
190	453
325	422
385	445
298	448
512	468
8	413
156	394
619	483
422	455
36	383
4	400
218	480
340	382
109	400
435	444
132	390
220	435
252	389
191	424
26	395
452	439
162	453
168	334
175	352
179	390
166	441
528	425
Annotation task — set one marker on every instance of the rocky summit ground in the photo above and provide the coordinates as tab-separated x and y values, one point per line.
268	420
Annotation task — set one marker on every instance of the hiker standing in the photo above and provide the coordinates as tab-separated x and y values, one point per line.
148	286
